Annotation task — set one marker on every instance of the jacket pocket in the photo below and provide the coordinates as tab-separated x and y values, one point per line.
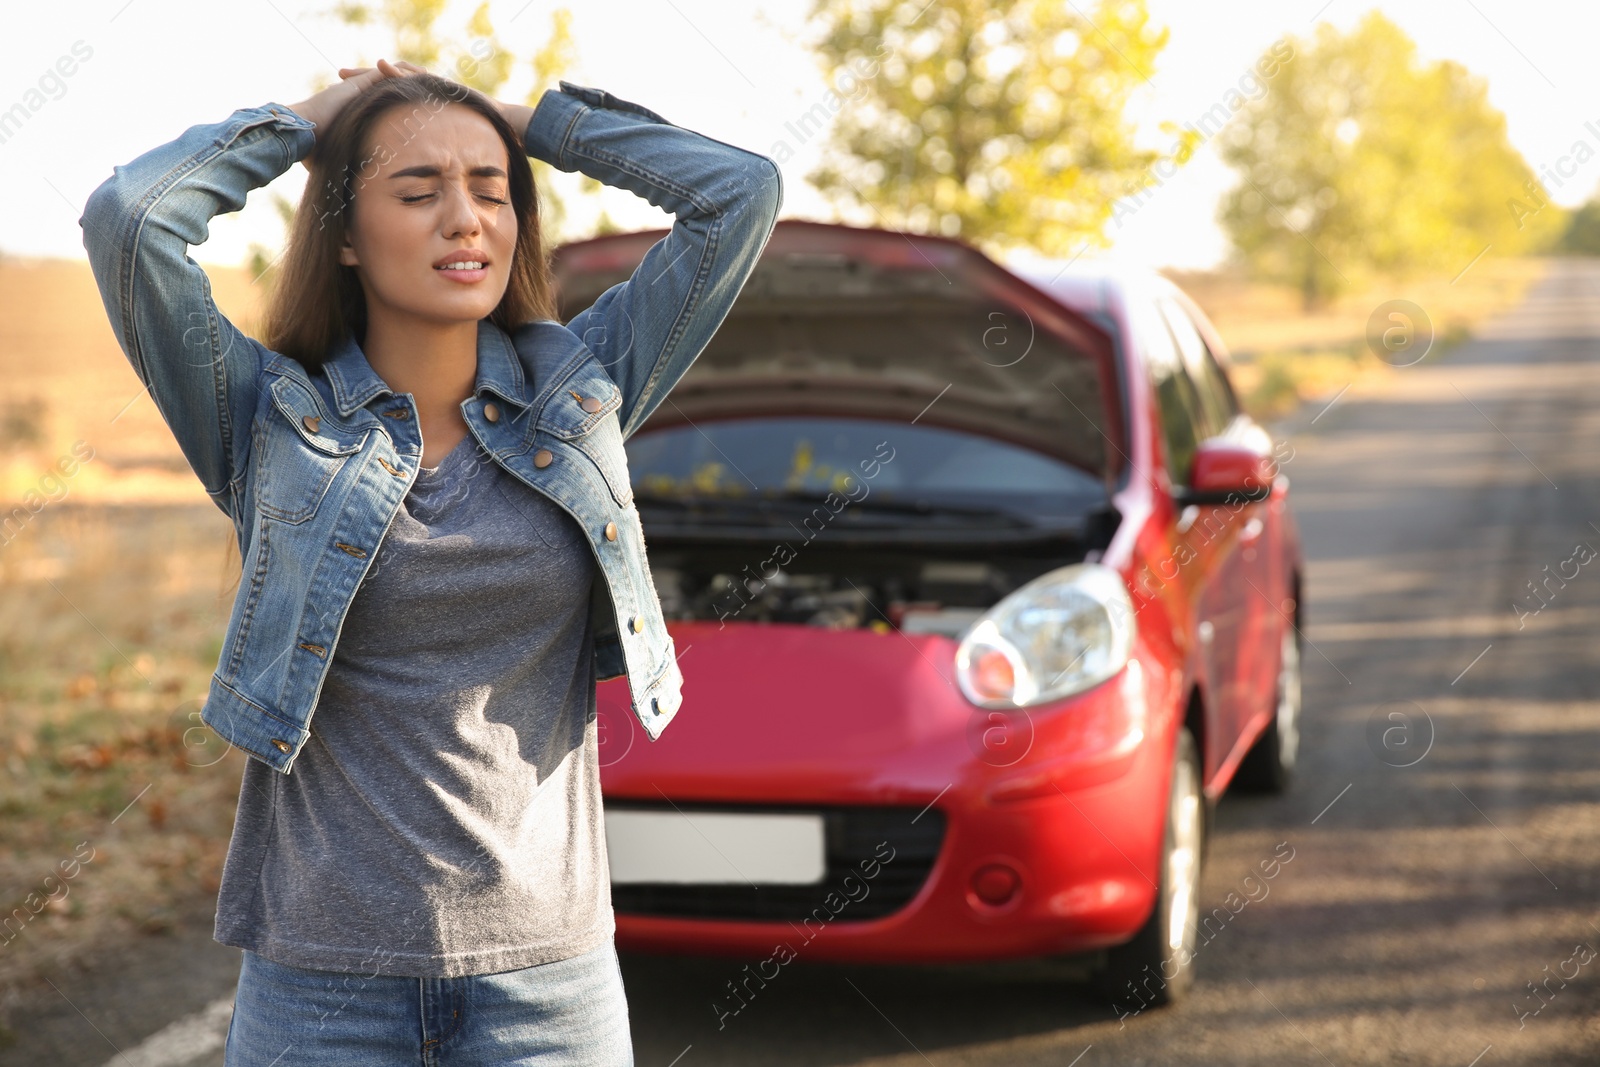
583	412
298	454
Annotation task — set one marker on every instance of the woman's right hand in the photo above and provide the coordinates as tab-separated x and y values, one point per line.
323	107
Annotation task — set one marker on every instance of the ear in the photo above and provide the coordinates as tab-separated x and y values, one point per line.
347	255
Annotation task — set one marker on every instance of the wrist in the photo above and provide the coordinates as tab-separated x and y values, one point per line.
518	115
306	111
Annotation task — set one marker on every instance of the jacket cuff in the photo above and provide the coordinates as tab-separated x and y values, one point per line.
297	132
549	132
551	126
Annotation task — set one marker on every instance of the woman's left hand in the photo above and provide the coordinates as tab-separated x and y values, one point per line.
398	69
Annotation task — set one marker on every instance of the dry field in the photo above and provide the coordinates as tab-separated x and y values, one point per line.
1283	357
117	574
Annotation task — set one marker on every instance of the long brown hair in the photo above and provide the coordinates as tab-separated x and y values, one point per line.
317	299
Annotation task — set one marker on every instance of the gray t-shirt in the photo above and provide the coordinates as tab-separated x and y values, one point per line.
444	818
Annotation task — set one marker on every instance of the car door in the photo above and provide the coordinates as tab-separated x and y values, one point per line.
1242	598
1200	555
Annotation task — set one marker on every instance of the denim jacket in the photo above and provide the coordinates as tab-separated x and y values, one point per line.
312	468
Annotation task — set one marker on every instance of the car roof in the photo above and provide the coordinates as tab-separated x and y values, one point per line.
1088	283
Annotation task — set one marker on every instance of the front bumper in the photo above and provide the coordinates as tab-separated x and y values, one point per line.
929	813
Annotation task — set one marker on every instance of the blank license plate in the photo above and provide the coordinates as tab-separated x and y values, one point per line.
715	848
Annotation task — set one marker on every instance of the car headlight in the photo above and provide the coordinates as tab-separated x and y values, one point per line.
1060	634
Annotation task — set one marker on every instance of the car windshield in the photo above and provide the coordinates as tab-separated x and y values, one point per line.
879	463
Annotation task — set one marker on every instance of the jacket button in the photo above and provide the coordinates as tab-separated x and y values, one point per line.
543	458
283	746
491	411
637	624
591	404
312	423
611	531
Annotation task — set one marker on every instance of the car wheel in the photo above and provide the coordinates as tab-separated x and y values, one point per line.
1269	765
1157	966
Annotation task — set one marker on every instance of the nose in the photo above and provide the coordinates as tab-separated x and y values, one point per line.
460	215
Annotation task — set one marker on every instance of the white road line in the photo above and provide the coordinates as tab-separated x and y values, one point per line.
183	1041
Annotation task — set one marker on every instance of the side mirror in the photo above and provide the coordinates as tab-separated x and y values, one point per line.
1230	468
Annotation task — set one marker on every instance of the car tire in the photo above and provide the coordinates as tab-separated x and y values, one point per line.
1157	967
1269	765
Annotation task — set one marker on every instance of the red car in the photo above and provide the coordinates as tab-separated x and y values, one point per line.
984	591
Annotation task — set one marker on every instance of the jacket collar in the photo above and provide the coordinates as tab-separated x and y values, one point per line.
356	384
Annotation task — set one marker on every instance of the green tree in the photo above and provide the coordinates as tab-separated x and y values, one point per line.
476	59
1001	123
1581	235
1361	161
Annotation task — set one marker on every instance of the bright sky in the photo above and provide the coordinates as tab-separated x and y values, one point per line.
735	71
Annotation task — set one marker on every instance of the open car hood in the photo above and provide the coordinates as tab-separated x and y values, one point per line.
841	320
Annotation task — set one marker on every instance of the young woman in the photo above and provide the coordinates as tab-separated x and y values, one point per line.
440	551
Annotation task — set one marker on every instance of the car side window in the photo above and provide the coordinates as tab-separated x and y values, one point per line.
1220	383
1176	398
1217	400
1216	406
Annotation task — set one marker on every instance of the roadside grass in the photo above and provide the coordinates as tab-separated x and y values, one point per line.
117	803
116	579
1282	357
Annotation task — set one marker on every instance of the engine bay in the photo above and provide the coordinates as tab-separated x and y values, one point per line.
925	591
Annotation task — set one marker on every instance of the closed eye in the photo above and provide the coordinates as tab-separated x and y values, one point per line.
424	196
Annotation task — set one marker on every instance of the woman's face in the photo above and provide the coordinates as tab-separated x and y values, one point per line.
440	187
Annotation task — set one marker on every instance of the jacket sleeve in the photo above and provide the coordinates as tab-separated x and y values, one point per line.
646	331
200	370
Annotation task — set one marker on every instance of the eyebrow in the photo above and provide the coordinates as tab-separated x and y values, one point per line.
429	170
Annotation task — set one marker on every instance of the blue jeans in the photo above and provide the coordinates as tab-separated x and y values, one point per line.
572	1011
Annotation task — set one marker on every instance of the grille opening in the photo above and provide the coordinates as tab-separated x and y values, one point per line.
855	838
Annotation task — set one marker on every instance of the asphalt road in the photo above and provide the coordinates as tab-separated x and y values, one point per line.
1440	870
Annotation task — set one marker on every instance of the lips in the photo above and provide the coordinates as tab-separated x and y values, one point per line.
464	255
464	265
